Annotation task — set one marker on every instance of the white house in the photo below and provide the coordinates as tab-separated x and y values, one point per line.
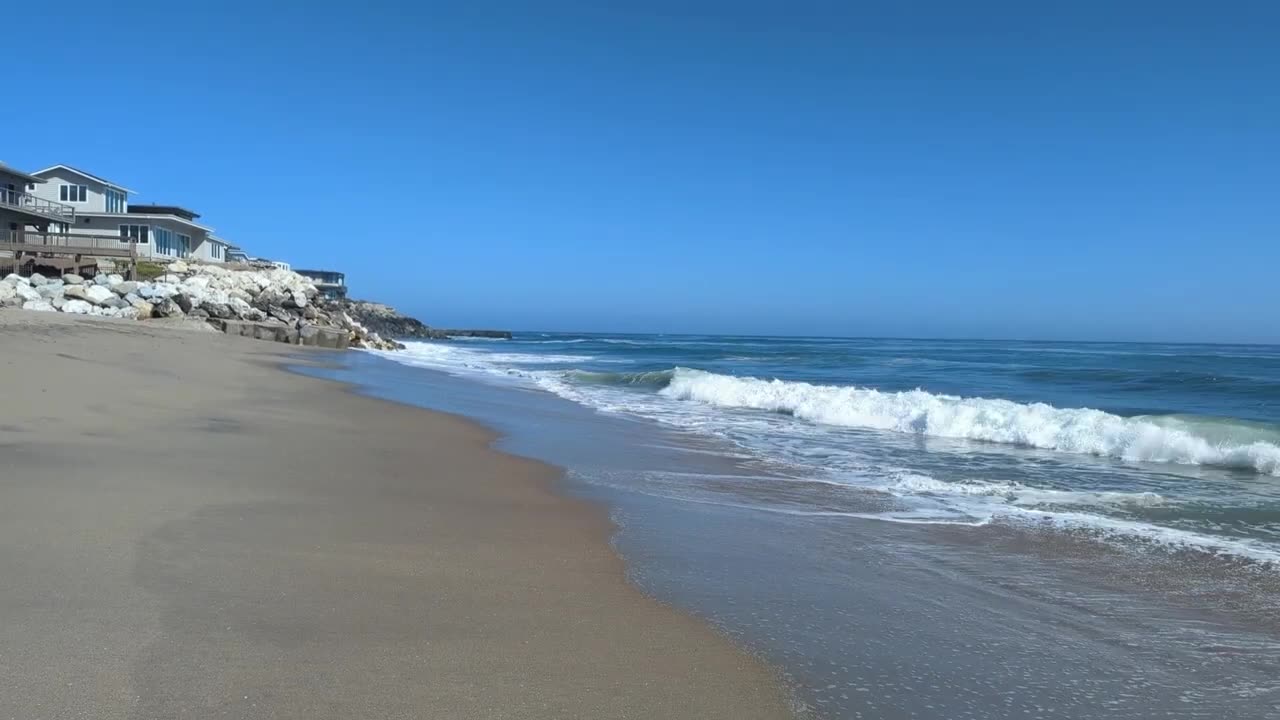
236	254
102	208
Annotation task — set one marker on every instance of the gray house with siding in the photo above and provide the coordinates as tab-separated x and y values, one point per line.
102	208
23	210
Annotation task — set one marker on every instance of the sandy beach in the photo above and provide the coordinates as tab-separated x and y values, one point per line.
188	531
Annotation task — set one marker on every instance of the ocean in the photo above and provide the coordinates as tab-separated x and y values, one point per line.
921	528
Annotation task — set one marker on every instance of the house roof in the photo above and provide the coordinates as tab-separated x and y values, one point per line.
84	174
215	238
145	216
8	170
163	210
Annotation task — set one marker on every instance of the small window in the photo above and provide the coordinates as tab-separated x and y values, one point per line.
73	193
139	234
31	187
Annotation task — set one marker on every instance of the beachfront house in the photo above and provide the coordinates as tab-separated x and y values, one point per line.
102	208
330	283
214	249
24	211
236	254
279	264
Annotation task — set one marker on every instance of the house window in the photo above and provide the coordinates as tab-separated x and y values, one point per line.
115	201
31	187
184	245
73	193
135	233
164	241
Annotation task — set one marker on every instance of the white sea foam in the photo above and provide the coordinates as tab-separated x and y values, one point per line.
924	499
453	357
1124	530
1015	493
1074	430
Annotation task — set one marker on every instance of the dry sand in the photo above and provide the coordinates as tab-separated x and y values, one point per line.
187	531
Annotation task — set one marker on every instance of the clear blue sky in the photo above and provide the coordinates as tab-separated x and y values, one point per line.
1087	170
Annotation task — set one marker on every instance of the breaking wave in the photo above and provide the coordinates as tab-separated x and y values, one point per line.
1174	439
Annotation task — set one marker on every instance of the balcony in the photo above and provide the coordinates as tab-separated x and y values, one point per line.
17	242
32	205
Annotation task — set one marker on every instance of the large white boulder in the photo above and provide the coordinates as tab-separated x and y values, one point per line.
114	279
37	279
143	307
72	279
240	307
39	305
124	287
132	313
26	292
158	290
169	278
200	281
15	279
50	291
77	307
7	292
78	292
178	266
190	297
98	294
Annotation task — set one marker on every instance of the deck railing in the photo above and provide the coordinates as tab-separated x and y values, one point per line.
38	242
31	203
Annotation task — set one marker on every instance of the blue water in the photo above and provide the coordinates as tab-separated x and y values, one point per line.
1176	447
919	529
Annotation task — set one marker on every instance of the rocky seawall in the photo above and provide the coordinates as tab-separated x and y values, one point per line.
258	301
389	323
277	304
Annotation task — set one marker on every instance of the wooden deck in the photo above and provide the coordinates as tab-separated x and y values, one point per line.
16	200
62	251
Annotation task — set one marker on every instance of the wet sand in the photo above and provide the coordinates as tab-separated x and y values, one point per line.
188	531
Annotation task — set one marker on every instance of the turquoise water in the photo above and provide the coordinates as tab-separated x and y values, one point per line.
1172	446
